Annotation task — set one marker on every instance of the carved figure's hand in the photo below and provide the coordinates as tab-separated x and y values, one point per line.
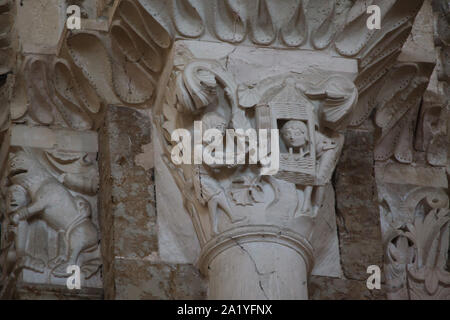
19	215
15	218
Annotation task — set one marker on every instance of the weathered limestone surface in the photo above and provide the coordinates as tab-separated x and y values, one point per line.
127	203
50	216
326	288
357	207
239	70
147	280
176	233
45	292
132	268
36	36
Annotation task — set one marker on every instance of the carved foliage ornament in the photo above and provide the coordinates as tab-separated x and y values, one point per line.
417	239
123	65
289	23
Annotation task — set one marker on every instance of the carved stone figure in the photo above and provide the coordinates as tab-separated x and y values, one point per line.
36	194
310	156
208	190
294	134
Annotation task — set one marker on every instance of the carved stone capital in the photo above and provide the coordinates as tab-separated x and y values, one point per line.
236	206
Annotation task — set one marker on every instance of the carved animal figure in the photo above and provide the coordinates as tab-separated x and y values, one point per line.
53	203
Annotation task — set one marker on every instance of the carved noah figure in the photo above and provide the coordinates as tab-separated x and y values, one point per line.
208	189
296	138
311	132
52	203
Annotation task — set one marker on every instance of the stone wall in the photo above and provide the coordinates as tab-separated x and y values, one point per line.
132	268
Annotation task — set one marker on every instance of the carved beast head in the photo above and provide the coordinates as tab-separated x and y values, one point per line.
22	165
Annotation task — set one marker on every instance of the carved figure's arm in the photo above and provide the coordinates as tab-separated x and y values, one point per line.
328	150
29	211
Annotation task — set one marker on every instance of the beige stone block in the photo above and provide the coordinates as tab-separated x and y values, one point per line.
405	174
58	139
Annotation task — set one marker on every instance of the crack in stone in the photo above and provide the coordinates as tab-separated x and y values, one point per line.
260	274
227	61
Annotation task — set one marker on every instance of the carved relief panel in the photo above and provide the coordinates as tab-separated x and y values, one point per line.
50	219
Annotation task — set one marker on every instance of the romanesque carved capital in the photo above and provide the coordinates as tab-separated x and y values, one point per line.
238	202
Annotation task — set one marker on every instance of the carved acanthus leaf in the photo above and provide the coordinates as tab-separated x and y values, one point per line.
54	95
230	22
295	32
323	35
417	249
186	18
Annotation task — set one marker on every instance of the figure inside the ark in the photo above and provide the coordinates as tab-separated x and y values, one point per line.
295	136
